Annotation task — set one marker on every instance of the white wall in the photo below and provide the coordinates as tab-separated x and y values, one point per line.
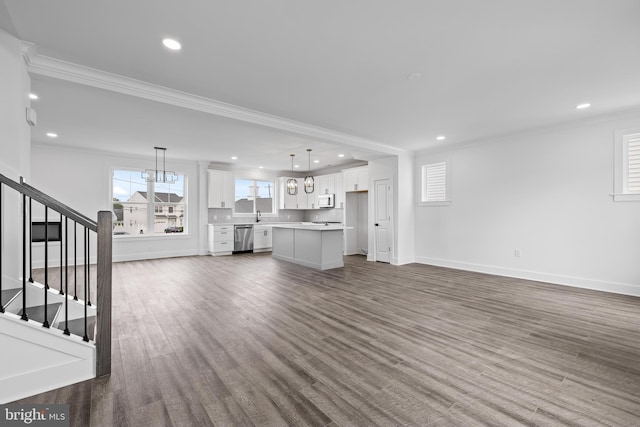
546	194
82	180
15	143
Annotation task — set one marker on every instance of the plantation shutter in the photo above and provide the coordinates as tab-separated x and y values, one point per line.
633	166
434	182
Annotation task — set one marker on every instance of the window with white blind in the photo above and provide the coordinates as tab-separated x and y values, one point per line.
627	167
632	165
434	184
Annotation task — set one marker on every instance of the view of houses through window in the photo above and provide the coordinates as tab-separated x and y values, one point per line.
144	208
253	195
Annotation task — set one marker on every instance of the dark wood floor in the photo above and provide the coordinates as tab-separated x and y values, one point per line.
247	340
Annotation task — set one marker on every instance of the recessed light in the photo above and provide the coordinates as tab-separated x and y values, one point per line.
234	158
414	76
260	167
316	161
440	138
583	106
33	96
296	166
340	155
171	44
52	134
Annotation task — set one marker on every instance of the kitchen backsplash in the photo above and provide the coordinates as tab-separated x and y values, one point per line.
333	215
219	216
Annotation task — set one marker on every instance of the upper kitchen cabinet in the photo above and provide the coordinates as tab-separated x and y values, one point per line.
287	201
340	196
325	184
220	189
356	179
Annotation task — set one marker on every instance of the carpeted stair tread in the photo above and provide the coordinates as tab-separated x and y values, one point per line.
37	312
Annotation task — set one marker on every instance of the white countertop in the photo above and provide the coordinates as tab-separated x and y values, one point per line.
315	227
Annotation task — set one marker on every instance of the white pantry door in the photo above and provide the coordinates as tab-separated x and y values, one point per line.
382	220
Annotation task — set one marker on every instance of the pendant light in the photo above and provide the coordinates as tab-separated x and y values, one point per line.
160	175
309	183
292	183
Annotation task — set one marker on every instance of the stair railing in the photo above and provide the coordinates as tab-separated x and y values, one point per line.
103	230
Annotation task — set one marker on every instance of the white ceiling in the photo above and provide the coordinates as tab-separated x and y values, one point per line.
487	68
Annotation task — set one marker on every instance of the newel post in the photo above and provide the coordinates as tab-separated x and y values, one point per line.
103	320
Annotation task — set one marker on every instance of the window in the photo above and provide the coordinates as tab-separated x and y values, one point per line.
434	184
254	195
627	166
147	208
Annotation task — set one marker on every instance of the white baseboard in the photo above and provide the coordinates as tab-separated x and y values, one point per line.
578	282
402	261
138	256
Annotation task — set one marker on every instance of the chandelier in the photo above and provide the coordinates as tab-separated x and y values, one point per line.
292	183
309	184
160	175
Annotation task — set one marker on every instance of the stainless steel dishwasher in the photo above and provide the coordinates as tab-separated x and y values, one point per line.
243	238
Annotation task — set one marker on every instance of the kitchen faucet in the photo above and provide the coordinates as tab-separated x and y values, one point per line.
258	215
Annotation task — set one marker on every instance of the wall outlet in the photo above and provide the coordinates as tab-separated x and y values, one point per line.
516	253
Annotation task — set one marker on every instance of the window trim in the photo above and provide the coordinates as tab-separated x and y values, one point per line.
621	141
422	183
183	235
274	199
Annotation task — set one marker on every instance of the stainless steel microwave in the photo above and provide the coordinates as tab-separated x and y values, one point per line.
326	200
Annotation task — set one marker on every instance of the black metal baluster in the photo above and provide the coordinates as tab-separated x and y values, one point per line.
75	261
46	266
30	241
61	281
88	267
24	256
86	256
1	216
46	247
66	275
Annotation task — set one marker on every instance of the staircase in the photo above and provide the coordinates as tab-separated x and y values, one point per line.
50	338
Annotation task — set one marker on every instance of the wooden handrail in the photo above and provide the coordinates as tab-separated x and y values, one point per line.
50	202
104	229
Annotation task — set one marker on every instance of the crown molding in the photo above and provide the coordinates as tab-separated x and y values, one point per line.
63	70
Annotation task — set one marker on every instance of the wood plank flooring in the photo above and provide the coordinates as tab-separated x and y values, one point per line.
248	340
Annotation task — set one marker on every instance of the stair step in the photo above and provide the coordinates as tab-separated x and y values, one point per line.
37	312
8	295
76	326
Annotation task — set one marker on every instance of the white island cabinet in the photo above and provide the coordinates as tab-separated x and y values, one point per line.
315	246
262	238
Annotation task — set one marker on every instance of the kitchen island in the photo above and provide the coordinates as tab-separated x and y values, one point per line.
312	245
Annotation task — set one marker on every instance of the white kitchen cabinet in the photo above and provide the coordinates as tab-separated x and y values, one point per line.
326	184
287	201
298	201
356	179
221	185
339	183
262	238
220	239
